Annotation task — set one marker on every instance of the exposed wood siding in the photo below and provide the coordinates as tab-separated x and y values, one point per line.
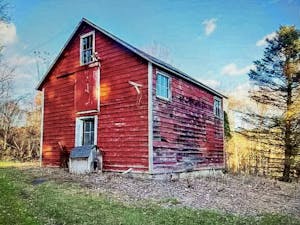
123	116
186	134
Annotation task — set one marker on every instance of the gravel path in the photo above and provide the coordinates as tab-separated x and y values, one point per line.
247	195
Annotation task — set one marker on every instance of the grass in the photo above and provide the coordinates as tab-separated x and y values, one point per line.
18	164
67	203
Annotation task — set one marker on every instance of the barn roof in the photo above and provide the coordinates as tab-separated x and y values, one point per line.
81	151
137	51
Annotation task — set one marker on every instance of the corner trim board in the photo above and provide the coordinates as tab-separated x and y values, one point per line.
42	128
150	118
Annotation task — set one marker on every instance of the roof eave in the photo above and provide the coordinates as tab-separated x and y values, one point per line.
39	86
192	80
133	49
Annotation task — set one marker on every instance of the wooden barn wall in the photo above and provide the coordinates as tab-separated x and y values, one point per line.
123	116
59	118
123	120
186	134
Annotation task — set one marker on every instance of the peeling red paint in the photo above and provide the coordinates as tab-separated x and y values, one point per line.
86	98
187	135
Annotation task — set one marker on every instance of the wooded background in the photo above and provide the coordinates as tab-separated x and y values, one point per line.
262	129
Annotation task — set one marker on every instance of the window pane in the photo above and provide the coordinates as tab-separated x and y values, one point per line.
162	86
83	57
87	49
88	132
84	43
89	54
90	42
86	139
92	137
217	108
87	42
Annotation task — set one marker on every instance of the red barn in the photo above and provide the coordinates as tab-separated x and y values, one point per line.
143	113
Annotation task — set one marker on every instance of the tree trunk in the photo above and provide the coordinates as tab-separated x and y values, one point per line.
288	131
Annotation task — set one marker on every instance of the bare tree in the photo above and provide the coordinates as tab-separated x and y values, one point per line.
20	129
6	75
159	51
10	113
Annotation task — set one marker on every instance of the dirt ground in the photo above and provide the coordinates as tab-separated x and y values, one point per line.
246	195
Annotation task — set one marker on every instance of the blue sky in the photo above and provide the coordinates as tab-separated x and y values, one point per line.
213	41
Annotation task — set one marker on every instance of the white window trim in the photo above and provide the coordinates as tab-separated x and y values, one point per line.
79	129
80	53
221	107
169	86
85	112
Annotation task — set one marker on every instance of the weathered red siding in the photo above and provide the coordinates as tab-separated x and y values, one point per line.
122	120
86	93
186	134
59	117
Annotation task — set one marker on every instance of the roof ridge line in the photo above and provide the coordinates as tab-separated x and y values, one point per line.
148	57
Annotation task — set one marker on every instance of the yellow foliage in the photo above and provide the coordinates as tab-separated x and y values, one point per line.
237	151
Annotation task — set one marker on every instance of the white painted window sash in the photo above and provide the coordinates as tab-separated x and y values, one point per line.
218	111
159	86
79	129
81	46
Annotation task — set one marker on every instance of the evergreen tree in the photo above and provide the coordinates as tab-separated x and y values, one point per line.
227	131
276	84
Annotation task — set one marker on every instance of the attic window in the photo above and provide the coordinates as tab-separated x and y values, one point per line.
87	48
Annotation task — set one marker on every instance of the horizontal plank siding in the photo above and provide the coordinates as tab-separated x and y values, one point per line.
122	120
58	119
186	134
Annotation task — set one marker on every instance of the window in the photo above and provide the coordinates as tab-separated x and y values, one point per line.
163	86
87	48
86	131
217	107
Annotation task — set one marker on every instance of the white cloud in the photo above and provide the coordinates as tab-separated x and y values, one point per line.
8	33
210	82
232	69
238	97
242	91
263	41
209	26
